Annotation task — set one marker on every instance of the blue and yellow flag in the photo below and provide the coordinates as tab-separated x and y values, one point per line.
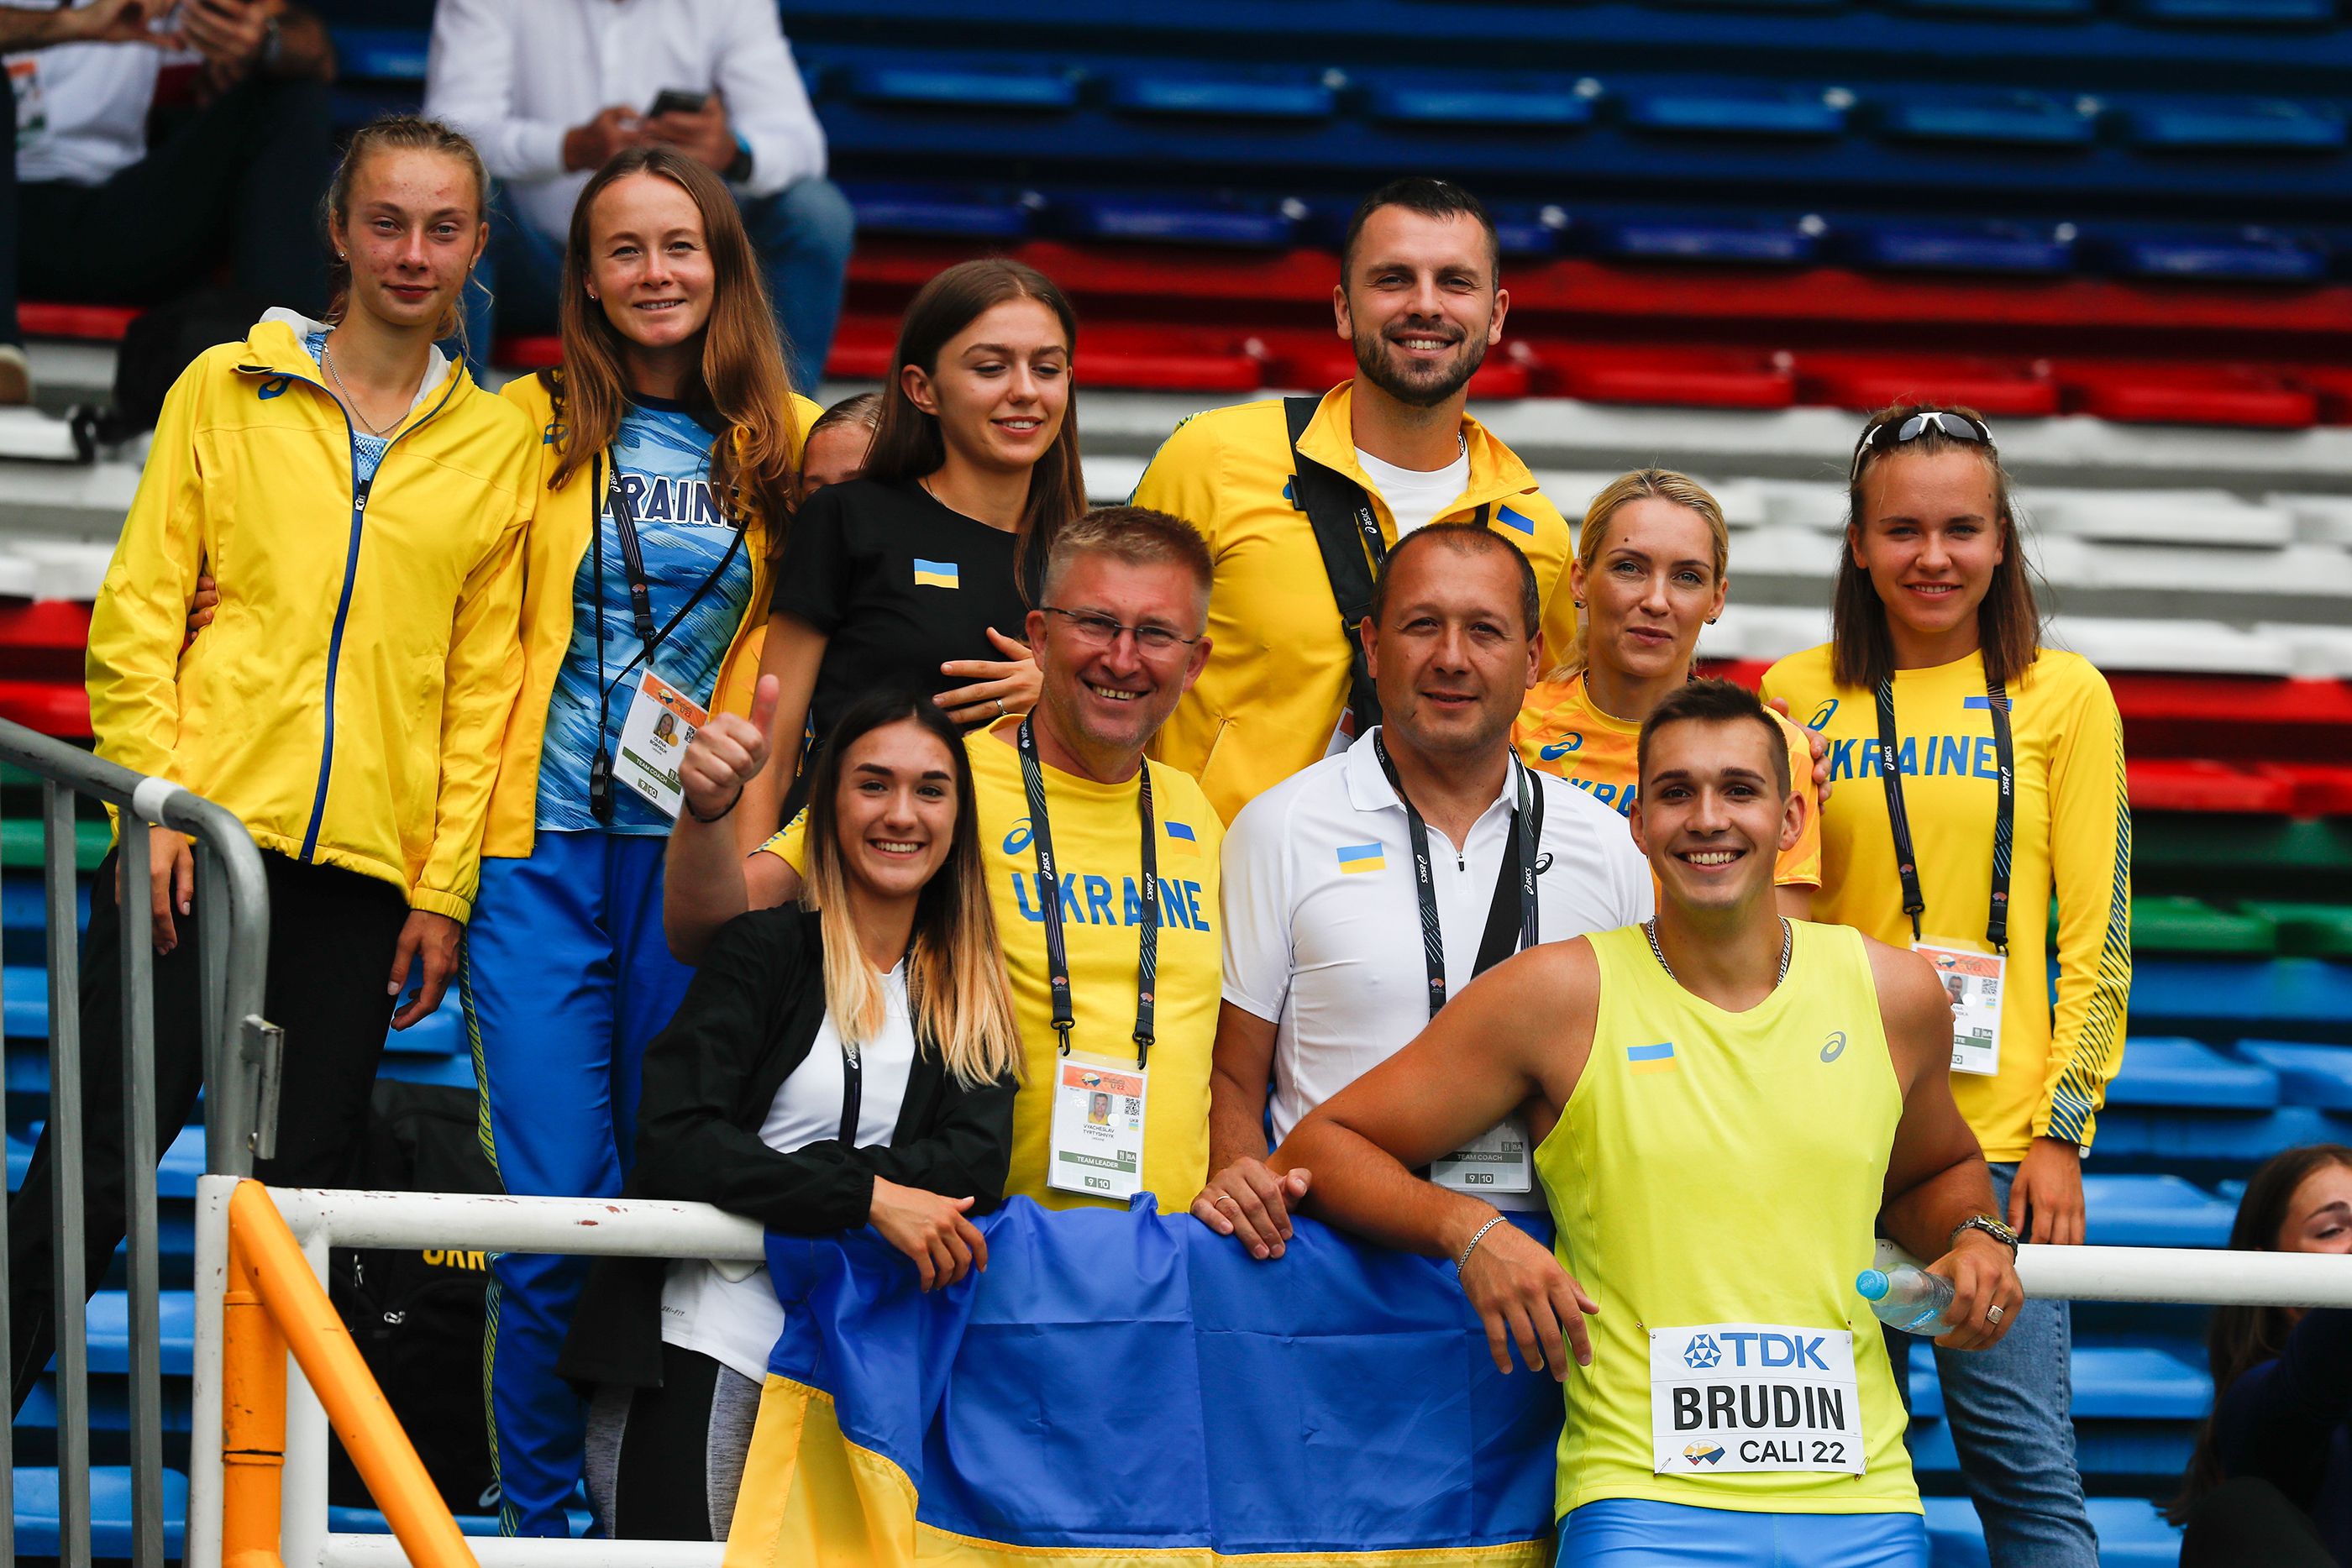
1122	1390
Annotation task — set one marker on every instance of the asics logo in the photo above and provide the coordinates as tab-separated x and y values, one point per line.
1833	1047
1553	750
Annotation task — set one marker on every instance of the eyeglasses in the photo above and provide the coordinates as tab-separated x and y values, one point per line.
1102	631
1896	433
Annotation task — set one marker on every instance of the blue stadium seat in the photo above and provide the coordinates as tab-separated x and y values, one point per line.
368	1521
2160	1071
110	1512
1992	117
2234	125
2037	10
2153	1211
108	1333
2313	994
1956	246
2242	256
1158	89
2318	1075
25	916
2132	1534
1729	238
942	210
109	1405
1732	110
2112	1383
2236	12
1171	219
950	84
2239	1137
24	1001
1502	103
381	54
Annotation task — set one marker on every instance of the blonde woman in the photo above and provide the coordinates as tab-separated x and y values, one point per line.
1649	574
845	1062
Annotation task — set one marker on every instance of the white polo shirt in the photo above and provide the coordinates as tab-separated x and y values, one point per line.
1323	930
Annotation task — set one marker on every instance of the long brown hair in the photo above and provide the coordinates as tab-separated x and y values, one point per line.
743	381
956	986
2239	1339
398	133
908	444
2008	621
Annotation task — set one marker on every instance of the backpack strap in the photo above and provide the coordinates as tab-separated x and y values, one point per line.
1348	536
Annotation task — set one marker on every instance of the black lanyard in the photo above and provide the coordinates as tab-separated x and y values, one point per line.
641	611
1526	825
1049	899
2004	819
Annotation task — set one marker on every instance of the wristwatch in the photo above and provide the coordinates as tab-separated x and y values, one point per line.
1990	1226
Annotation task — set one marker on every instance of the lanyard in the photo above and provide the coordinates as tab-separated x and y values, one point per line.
2004	820
1049	899
641	611
1523	843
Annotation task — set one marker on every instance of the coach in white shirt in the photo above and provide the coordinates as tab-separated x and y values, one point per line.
1329	964
549	89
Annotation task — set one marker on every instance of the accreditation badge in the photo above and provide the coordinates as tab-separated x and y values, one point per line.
1095	1145
662	720
1497	1161
1973	981
1754	1396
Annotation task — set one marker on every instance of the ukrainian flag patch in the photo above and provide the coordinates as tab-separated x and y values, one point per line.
1659	1058
1354	858
1517	522
935	573
1187	843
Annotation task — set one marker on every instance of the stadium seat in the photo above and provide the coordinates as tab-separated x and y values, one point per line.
1990	118
1164	89
2309	930
1866	382
102	323
1732	110
2308	992
2171	1139
2159	1071
109	1332
1724	237
2233	125
2180	516
2132	1534
2236	12
1956	246
1170	219
21	840
1690	378
2178	925
2180	394
38	1533
1504	104
2316	1075
2176	784
939	209
2117	644
950	84
2294	719
2153	1211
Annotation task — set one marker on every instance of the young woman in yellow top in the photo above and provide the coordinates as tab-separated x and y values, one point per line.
1649	573
2008	787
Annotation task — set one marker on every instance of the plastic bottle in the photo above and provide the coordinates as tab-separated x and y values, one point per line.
1908	1298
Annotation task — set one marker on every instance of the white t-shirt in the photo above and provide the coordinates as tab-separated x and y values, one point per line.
1323	928
1416	497
81	109
732	1316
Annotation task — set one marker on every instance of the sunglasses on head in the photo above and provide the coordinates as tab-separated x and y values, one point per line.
1896	433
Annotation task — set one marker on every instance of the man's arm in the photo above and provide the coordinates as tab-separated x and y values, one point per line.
767	103
470	75
103	22
1521	1030
1243	1198
1936	1175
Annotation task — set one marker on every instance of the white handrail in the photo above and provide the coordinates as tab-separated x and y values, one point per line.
640	1227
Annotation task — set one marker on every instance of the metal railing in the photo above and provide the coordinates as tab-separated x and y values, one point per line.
239	1060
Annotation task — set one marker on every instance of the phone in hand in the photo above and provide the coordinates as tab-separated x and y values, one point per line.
677	101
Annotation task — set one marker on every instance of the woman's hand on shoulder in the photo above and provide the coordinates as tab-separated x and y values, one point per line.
999	687
931	1230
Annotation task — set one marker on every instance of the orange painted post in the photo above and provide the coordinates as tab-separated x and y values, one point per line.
298	1306
253	1421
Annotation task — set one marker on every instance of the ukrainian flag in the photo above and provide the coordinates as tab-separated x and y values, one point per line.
1123	1389
935	573
1517	522
1186	841
1659	1058
1354	858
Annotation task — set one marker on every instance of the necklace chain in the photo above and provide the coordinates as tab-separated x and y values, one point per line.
327	359
1788	945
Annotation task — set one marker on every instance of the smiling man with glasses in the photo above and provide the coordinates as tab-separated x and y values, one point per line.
1102	869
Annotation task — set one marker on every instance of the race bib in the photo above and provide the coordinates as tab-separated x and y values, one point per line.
1496	1162
1973	981
1096	1146
662	720
32	104
1754	1396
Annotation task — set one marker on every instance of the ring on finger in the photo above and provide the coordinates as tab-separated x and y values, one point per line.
1000	710
1228	1198
1992	1314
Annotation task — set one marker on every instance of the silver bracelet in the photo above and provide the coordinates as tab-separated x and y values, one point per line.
1476	1236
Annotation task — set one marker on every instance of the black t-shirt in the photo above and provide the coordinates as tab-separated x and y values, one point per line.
898	584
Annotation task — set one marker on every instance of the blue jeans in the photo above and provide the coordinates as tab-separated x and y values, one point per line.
803	234
1635	1532
2010	1409
565	978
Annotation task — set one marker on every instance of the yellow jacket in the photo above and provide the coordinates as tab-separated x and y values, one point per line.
347	699
1277	682
558	537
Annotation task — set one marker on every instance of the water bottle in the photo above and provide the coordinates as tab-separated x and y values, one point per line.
1908	1298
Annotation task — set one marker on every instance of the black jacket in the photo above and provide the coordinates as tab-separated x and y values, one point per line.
749	1016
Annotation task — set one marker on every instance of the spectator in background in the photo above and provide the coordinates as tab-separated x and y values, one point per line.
1420	298
838	443
236	175
846	1062
2270	1479
2007	790
553	89
366	505
670	411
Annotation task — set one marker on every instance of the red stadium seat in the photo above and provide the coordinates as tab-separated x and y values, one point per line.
2161	784
1864	382
2319	791
529	353
44	641
1686	377
2251	716
2187	394
52	707
102	323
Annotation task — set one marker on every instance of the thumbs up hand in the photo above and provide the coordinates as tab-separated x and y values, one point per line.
726	754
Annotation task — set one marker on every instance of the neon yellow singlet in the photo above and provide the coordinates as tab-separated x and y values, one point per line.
1730	1178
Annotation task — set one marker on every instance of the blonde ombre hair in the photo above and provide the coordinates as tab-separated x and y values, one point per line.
1592	535
956	989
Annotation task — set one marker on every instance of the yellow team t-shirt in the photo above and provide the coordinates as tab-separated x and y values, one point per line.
1098	842
2071	836
1559	731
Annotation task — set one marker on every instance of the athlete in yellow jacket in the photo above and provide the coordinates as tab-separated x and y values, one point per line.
1421	302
